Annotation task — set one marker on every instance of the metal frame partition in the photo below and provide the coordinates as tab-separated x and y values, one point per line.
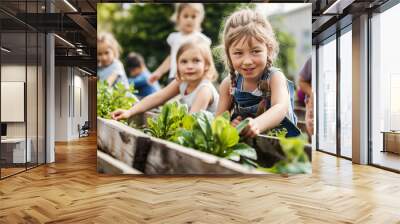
338	29
43	55
382	8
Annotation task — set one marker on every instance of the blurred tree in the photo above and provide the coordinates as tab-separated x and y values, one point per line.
144	28
286	59
106	13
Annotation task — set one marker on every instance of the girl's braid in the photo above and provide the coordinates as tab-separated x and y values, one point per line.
233	78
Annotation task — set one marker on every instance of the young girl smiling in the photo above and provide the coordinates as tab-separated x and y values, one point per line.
255	89
195	70
188	18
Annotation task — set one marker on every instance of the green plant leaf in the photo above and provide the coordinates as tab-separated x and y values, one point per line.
242	125
188	122
168	122
229	136
111	98
234	156
226	116
245	151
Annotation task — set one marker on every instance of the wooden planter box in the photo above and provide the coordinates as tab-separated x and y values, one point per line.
150	155
110	165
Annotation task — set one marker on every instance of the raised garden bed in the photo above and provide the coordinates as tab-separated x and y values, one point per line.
150	155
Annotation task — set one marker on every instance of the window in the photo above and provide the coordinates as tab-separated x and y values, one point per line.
346	93
327	96
385	87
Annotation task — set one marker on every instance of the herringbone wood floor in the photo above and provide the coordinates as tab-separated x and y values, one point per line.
70	191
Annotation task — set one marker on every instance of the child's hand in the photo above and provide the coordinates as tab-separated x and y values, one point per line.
251	130
153	78
236	121
120	114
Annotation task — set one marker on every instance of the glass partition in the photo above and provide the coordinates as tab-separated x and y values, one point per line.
327	96
22	77
346	93
385	89
15	150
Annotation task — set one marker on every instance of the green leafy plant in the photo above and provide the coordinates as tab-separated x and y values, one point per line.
215	136
277	132
112	98
168	121
295	161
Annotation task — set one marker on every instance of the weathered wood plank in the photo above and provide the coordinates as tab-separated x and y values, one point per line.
269	149
156	156
109	165
118	140
169	158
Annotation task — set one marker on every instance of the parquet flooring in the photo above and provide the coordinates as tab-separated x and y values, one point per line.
9	171
70	191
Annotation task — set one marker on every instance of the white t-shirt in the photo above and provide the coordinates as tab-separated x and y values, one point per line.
189	98
175	40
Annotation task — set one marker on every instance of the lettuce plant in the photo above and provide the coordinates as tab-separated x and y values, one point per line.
216	136
295	161
277	132
168	121
112	98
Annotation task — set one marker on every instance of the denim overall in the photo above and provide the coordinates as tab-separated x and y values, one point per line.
246	104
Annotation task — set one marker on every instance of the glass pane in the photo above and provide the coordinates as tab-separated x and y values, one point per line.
386	89
41	99
327	97
32	97
346	94
14	153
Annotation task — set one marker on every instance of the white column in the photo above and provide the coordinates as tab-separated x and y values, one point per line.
50	100
360	90
314	89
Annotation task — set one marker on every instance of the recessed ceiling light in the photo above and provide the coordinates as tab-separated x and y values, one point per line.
5	49
338	6
64	40
70	5
86	72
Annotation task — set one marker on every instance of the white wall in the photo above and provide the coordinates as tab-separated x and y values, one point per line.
61	103
71	94
14	72
33	127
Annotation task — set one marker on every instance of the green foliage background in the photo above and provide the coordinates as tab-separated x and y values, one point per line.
144	28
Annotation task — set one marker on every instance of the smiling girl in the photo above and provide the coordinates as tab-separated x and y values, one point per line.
255	89
188	18
195	70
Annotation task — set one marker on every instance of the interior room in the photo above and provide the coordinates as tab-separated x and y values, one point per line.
48	159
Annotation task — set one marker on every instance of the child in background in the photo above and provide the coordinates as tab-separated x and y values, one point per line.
195	70
255	89
109	67
305	81
138	75
188	18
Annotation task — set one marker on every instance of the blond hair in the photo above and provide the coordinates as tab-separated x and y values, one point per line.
205	51
109	39
248	24
179	7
